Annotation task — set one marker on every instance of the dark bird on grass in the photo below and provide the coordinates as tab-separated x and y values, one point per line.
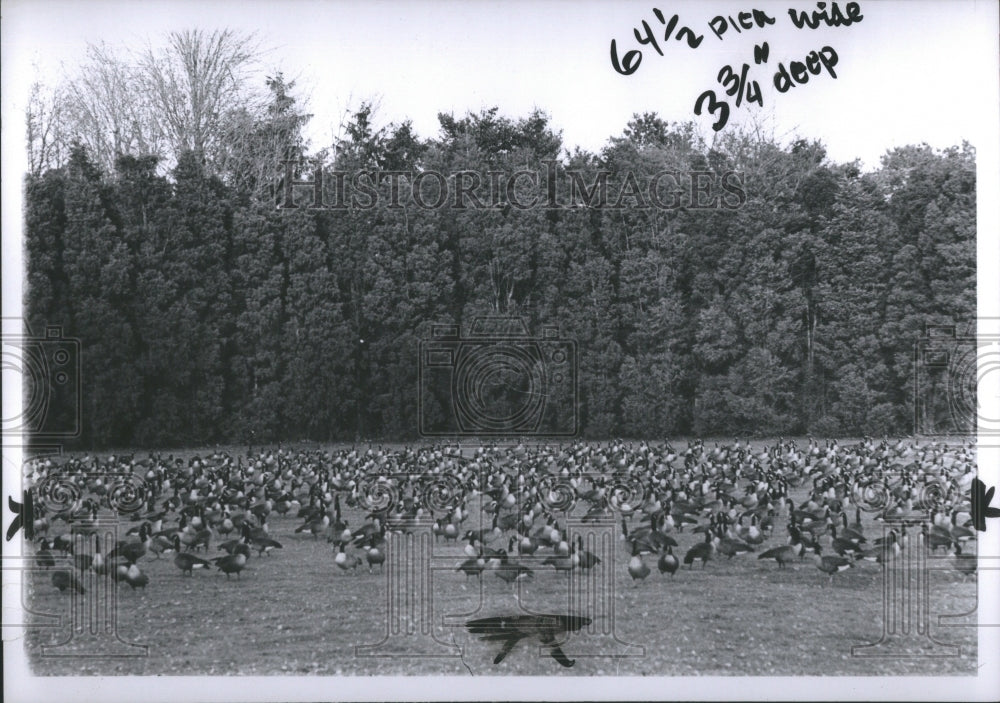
264	545
63	543
527	545
472	567
187	562
648	537
844	547
805	538
230	546
315	527
831	565
702	551
730	547
561	563
511	570
964	563
233	563
855	533
510	521
375	555
587	560
135	578
668	563
86	561
751	535
784	554
161	544
132	552
66	580
637	568
511	629
345	561
485	533
44	558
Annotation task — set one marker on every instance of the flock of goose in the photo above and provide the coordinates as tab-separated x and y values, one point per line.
508	506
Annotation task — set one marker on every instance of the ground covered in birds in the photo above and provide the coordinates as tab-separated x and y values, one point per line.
293	611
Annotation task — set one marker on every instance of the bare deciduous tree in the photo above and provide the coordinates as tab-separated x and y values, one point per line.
196	82
46	145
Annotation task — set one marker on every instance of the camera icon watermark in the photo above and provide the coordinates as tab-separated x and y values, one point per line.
956	374
48	369
498	380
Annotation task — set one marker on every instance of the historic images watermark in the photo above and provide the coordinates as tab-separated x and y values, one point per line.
47	369
955	368
549	187
499	380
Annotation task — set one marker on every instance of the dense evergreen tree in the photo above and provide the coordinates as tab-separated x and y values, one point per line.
207	315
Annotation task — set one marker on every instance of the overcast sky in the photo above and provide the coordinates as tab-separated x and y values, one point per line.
908	72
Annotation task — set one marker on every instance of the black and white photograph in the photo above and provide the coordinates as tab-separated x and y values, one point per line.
552	350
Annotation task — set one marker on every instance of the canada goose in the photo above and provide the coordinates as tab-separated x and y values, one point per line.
187	562
315	527
44	558
667	563
264	545
783	554
511	569
702	551
374	555
66	580
85	561
844	547
472	567
131	552
230	546
831	565
527	545
562	563
965	564
587	560
161	544
233	563
135	578
730	547
856	533
345	561
637	568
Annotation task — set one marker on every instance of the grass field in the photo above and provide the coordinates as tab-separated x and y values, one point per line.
296	613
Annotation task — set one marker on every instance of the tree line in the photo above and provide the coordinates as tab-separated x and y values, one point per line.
206	313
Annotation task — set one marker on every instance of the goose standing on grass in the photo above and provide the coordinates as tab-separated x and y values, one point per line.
345	561
783	554
161	544
64	580
964	563
511	569
235	562
44	558
668	564
187	562
637	568
264	545
702	551
132	552
375	554
472	567
831	565
586	559
135	578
